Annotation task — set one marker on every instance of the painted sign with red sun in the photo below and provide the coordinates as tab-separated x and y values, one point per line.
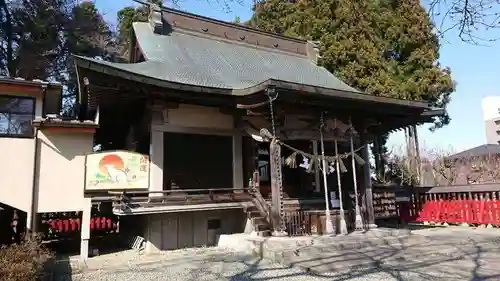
116	170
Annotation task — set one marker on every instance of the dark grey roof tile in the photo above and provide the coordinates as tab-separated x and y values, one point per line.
482	150
206	62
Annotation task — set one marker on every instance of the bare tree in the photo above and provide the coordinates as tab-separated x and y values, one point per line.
442	168
467	17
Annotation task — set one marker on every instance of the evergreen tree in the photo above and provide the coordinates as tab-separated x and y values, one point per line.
39	37
125	18
384	48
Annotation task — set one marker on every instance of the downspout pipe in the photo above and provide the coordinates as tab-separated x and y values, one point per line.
36	161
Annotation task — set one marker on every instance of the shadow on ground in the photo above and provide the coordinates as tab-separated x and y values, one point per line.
434	256
404	258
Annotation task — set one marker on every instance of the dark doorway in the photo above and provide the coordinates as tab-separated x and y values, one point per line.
197	161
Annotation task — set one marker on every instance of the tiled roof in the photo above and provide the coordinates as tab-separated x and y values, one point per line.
193	60
189	53
19	80
482	150
207	62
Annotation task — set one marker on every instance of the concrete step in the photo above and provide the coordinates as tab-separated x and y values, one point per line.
263	233
259	220
261	227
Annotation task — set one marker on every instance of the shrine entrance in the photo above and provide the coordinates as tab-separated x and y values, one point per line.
195	161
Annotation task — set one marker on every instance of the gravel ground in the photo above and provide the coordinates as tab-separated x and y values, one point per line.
464	259
209	265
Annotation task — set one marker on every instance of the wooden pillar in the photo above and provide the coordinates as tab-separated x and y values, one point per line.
85	230
238	182
379	163
418	161
156	167
277	214
317	182
237	145
413	154
367	186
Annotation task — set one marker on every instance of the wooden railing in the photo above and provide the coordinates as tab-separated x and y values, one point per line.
135	199
476	204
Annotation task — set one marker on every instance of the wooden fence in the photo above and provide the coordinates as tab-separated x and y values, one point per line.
476	204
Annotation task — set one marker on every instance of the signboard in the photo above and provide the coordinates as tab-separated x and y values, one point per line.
116	170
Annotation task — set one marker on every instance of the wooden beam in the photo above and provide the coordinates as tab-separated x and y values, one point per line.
252	106
69	130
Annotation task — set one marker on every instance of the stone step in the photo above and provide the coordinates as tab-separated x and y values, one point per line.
259	220
261	227
263	233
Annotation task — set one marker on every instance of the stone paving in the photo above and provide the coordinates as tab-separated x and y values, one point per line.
437	254
441	254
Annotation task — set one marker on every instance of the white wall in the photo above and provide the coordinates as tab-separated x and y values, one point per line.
491	107
16	172
62	170
16	163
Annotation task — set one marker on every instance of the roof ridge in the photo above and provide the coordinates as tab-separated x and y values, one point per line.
239	26
235	25
241	44
164	20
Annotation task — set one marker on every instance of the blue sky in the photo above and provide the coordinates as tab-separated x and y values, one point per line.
474	68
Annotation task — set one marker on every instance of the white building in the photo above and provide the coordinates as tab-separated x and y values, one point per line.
491	117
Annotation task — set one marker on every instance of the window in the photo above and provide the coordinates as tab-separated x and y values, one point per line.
16	116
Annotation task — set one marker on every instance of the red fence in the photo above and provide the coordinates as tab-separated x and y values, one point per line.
477	204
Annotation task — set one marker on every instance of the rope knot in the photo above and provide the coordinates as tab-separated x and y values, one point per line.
266	135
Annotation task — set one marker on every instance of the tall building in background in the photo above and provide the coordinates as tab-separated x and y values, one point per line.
491	117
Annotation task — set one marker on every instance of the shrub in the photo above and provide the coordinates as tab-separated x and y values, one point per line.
25	261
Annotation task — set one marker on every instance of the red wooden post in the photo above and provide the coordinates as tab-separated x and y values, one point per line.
463	208
496	214
475	209
435	209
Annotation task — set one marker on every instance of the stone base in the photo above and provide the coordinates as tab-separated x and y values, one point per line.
84	251
249	226
279	234
343	227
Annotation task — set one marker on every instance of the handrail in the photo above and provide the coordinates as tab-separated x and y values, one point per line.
179	197
177	191
258	200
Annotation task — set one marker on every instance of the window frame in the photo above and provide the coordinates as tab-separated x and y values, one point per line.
33	110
